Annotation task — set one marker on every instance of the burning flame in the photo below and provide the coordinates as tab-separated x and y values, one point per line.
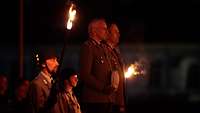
131	71
134	70
71	14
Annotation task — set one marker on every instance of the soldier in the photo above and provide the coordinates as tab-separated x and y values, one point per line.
95	71
40	87
117	75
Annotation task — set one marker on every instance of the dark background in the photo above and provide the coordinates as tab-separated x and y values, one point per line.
139	21
166	33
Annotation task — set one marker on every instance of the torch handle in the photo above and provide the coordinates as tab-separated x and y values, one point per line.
63	52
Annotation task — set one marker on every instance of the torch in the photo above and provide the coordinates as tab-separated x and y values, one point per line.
71	14
56	86
133	71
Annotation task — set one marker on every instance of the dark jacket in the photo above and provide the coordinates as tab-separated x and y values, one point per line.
120	93
94	73
117	64
39	93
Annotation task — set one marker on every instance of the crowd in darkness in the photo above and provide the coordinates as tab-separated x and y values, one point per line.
16	101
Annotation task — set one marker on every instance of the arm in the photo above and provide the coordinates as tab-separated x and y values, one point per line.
37	99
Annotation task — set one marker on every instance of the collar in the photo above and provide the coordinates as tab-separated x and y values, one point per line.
95	41
110	45
47	76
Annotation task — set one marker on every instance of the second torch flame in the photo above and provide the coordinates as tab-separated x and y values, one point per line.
134	70
131	71
71	15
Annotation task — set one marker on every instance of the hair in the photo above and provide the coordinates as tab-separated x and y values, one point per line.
66	73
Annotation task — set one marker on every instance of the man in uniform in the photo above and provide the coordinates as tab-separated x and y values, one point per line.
40	87
117	75
95	71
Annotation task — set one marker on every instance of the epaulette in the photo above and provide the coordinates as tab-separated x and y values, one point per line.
36	77
90	43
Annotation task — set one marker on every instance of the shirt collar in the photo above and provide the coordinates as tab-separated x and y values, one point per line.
96	41
47	76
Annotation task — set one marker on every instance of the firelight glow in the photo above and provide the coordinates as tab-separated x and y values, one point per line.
130	71
71	14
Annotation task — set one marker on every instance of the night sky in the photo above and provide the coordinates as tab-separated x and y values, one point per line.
138	20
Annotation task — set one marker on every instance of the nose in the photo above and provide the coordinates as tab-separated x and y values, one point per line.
57	62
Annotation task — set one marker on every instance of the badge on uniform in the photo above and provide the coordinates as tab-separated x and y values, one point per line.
115	79
100	61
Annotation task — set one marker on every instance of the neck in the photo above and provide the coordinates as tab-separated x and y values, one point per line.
46	72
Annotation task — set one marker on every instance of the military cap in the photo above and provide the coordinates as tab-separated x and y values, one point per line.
46	53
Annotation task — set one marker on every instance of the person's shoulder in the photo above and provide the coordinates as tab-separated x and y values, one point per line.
89	43
37	79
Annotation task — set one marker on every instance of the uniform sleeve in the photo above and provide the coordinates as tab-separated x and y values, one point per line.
37	98
86	61
120	98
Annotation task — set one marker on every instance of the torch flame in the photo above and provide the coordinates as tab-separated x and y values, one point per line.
131	71
72	14
134	70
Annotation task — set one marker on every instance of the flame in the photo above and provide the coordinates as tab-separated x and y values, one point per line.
131	71
134	70
71	14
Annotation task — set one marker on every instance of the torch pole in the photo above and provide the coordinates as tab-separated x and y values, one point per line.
63	51
71	16
125	94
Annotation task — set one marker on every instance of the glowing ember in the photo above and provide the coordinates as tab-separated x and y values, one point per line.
72	14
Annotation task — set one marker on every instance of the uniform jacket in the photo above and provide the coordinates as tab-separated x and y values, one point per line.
94	73
39	92
64	105
120	93
117	64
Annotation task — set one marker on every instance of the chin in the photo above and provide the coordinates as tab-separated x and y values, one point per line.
55	70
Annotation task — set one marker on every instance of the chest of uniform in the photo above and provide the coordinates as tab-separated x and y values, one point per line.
99	57
113	58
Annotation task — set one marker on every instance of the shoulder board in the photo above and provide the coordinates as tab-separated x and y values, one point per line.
90	43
